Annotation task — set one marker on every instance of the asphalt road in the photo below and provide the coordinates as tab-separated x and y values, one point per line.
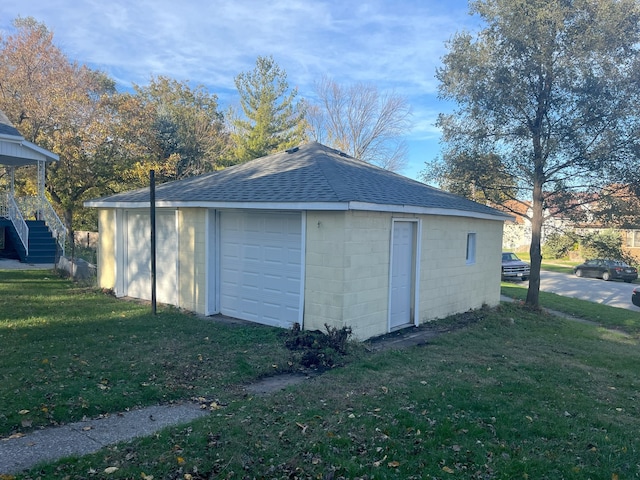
613	293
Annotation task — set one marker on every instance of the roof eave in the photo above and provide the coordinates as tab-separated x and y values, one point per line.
310	206
51	157
452	212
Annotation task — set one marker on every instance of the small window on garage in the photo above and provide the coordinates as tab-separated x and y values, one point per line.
471	248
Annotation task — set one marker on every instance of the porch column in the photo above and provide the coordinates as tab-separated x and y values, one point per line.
41	197
12	179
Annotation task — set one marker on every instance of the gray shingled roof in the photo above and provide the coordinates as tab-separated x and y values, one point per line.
311	173
6	127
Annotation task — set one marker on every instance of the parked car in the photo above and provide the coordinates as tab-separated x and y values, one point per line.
514	268
635	297
606	270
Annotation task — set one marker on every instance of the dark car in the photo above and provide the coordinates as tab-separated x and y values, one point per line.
635	297
606	270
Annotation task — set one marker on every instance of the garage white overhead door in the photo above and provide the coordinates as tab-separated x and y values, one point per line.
138	258
260	267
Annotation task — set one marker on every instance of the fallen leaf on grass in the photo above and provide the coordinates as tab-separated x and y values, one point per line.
23	412
447	469
379	462
393	464
110	470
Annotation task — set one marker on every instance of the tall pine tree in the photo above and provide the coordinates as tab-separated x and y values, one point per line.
272	118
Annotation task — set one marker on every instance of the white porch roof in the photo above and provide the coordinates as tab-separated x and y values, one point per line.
16	151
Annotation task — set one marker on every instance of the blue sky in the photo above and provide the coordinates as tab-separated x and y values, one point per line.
395	45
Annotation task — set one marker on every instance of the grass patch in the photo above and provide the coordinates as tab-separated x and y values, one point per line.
517	394
66	353
560	265
610	317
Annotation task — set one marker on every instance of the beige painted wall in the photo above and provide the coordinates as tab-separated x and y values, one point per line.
366	293
447	284
192	256
192	259
347	266
324	270
347	269
107	249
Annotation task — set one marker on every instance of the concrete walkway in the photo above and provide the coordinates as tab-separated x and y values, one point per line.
9	264
21	452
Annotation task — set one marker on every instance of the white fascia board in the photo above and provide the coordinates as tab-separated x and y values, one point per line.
318	206
29	152
52	157
11	138
428	211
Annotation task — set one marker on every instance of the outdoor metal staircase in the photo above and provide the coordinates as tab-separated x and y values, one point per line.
43	247
31	241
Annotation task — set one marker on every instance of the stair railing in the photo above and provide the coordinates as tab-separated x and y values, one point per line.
54	223
41	209
13	212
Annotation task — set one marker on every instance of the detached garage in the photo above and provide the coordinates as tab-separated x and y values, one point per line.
309	236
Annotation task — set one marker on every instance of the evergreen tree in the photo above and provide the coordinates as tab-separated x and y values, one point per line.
273	121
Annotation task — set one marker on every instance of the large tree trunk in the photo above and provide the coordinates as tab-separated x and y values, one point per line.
535	251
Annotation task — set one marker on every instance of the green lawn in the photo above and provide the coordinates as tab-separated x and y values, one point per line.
518	394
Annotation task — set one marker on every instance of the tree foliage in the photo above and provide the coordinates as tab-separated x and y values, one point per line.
64	107
605	244
552	88
482	178
361	122
272	118
187	129
558	245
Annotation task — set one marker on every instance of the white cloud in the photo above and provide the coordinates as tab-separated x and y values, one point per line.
393	45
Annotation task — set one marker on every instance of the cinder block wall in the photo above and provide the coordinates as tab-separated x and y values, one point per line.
448	284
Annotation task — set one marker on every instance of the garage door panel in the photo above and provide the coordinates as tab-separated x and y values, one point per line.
138	270
261	266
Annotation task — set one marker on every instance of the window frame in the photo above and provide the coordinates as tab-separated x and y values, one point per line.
472	243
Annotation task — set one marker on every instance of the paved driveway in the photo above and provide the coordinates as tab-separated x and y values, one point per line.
613	293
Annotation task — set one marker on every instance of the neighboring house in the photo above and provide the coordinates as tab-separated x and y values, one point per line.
517	233
309	236
631	242
30	229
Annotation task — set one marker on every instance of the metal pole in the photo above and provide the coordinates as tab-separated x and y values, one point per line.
152	195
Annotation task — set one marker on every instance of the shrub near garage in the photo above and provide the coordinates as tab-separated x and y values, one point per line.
317	350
